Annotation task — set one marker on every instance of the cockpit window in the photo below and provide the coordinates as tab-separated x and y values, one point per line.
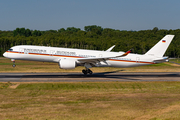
10	49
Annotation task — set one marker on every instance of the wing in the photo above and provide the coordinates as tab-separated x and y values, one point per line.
89	60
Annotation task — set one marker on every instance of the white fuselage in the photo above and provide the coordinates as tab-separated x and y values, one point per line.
55	54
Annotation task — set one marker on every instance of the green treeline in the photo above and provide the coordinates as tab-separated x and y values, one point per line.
92	37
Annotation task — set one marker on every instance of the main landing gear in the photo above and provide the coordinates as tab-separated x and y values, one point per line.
87	71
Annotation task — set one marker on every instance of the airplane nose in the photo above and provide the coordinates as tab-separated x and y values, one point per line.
5	54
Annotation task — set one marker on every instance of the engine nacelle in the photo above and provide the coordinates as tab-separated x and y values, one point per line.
67	64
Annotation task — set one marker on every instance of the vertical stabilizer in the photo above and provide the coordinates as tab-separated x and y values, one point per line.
160	48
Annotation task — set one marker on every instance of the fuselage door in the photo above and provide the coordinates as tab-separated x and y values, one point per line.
52	52
21	50
137	59
100	55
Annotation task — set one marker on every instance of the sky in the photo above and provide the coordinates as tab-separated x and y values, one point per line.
116	14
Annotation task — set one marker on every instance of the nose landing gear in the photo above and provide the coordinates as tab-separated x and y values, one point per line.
87	71
13	60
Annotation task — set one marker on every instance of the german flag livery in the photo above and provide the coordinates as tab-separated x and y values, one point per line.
164	41
127	52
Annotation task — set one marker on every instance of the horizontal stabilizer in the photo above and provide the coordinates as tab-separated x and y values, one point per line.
160	60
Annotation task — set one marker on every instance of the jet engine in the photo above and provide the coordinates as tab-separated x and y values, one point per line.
67	64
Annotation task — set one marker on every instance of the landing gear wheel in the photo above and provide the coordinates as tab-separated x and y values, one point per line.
14	65
89	71
85	72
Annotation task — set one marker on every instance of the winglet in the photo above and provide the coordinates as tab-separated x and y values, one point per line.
126	53
108	50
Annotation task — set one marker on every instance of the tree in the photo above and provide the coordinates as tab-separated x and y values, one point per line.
155	29
22	31
36	33
92	37
27	33
73	29
91	27
61	30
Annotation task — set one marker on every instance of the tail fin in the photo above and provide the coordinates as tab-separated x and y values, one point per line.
160	48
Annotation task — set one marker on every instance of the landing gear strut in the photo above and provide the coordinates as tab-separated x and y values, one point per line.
14	65
86	71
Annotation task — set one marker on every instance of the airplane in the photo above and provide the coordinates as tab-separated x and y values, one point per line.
69	58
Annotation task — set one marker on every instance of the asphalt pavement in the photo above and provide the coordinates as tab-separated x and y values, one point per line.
96	77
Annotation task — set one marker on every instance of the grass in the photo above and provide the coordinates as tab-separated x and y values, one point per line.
6	85
34	66
177	60
79	101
